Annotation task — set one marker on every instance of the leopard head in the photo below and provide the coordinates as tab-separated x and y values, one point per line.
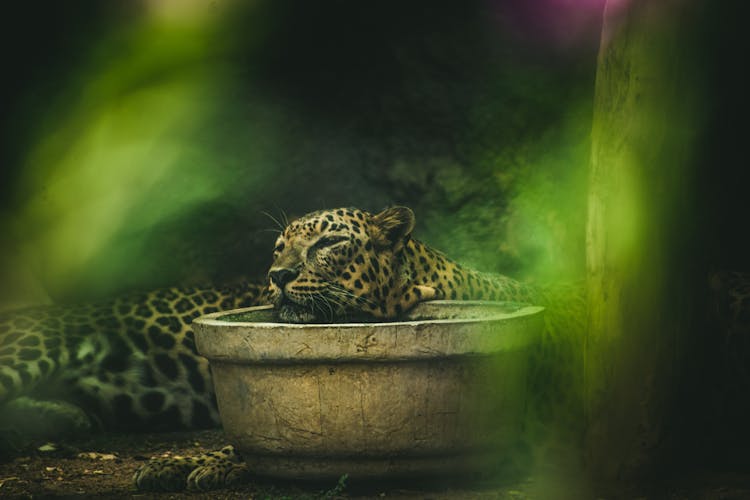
338	264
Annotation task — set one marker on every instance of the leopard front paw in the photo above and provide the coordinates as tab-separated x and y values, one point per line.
216	476
164	474
205	472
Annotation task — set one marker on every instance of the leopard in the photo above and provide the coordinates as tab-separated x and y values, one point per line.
130	364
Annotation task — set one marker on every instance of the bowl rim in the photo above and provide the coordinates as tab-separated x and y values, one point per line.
524	310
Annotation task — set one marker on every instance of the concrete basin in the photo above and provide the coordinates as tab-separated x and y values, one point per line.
441	393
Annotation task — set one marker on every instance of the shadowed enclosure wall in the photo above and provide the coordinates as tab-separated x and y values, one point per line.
141	151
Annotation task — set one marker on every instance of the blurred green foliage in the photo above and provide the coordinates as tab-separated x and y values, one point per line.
151	158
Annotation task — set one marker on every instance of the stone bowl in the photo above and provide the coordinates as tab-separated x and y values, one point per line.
441	393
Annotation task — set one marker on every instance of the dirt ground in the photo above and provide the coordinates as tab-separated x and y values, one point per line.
102	467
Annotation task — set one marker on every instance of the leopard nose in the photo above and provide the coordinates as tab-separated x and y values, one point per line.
282	276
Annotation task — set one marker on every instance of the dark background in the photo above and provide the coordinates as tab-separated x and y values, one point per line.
475	115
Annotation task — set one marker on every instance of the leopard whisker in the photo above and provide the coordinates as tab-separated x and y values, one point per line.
334	306
344	293
284	217
274	219
319	302
328	305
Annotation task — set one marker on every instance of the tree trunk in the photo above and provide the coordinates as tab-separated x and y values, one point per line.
639	250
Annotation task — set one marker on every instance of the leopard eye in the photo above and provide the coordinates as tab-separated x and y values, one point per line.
279	247
327	241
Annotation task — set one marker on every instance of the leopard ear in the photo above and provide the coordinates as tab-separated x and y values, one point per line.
392	227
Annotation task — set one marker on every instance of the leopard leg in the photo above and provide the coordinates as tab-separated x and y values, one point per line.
48	418
420	293
28	422
208	471
33	394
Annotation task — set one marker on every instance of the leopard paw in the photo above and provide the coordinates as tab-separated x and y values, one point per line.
423	292
216	476
209	471
164	474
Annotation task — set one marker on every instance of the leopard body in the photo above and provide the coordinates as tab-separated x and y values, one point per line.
125	364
